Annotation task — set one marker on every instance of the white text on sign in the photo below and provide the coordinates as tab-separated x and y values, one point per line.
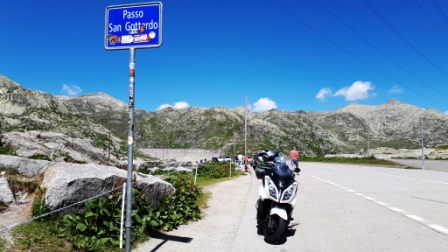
129	26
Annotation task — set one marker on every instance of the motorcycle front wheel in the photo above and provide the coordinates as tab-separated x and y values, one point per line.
274	228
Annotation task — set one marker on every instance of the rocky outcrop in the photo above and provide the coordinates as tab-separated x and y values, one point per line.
67	183
393	124
24	166
25	110
58	147
6	195
96	102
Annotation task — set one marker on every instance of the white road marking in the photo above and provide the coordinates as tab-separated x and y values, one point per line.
414	217
439	228
390	175
396	209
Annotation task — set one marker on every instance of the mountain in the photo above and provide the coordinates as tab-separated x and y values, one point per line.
104	110
348	129
31	109
25	109
393	124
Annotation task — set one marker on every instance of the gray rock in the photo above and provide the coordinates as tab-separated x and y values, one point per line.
23	198
6	195
55	146
27	167
67	184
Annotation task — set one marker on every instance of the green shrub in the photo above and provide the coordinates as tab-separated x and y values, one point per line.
176	209
39	205
98	228
5	150
40	157
215	170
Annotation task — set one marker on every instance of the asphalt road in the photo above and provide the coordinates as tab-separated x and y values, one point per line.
339	208
430	165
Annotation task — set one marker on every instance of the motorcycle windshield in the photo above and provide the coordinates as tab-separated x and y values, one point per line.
281	168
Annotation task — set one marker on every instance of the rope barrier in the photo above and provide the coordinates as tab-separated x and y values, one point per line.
74	204
58	210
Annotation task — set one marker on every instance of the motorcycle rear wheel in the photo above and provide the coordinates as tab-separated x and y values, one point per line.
275	232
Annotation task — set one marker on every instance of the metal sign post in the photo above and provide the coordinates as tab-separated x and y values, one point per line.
130	149
131	27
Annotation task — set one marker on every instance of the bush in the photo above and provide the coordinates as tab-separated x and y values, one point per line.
215	170
39	205
98	229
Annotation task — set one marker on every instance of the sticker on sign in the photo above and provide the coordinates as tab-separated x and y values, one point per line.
133	26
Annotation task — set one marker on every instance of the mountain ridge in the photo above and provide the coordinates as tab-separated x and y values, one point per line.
351	128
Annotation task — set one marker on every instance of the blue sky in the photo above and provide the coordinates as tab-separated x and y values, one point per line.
313	55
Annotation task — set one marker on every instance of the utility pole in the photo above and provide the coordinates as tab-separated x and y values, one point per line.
109	148
368	140
234	139
423	147
245	132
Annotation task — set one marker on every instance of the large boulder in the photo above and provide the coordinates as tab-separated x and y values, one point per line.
68	183
57	146
6	195
25	166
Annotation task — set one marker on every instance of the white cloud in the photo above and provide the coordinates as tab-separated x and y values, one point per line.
396	89
177	105
358	90
264	104
323	92
181	105
72	90
164	106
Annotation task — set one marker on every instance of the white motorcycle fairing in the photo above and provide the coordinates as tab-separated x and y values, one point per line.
281	212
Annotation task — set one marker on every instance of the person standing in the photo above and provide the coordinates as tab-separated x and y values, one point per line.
294	155
240	160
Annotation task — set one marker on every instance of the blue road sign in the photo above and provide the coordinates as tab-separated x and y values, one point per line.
133	26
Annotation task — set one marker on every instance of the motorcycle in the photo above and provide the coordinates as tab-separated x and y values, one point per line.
277	194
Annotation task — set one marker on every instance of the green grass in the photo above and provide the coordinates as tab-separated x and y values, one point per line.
38	236
5	150
366	160
2	245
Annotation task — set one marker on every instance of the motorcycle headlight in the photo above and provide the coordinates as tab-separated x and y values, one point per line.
271	188
289	192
